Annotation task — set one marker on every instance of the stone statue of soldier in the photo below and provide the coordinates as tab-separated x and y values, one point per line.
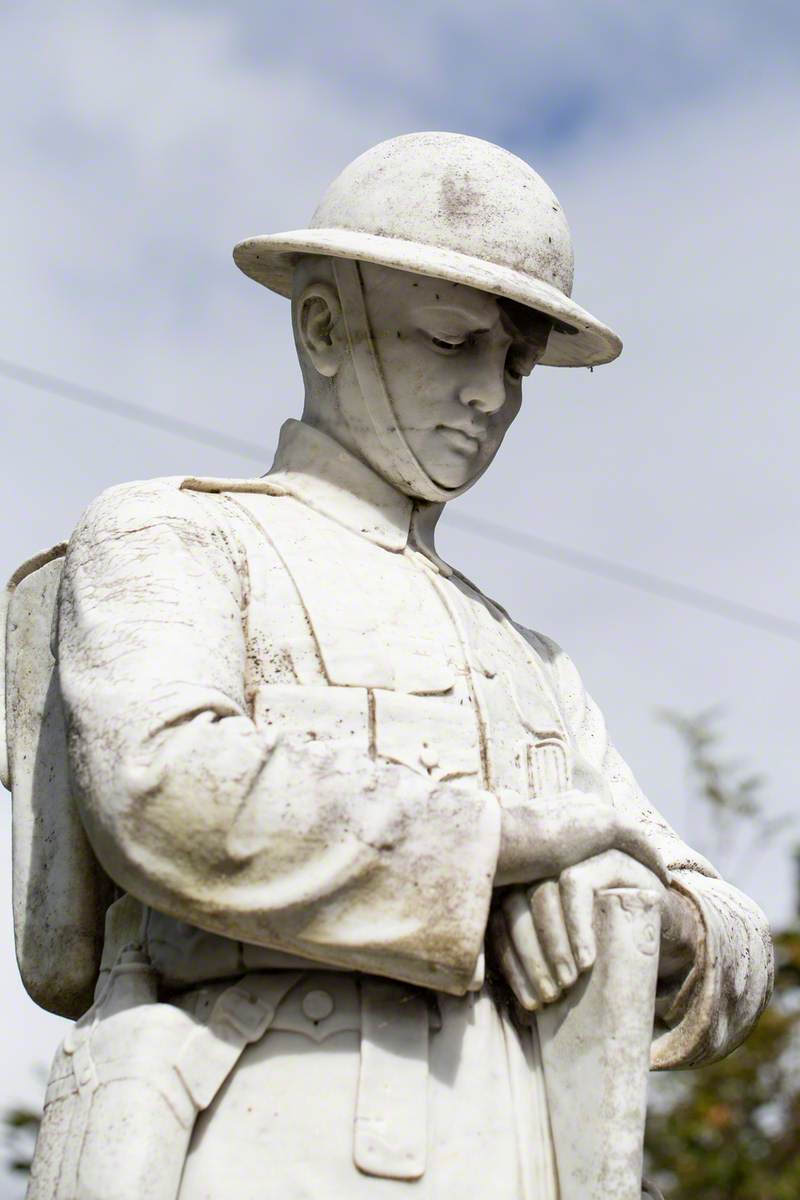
304	771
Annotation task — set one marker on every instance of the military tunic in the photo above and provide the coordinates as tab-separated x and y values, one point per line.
292	731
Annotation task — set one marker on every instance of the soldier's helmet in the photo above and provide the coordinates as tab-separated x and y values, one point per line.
452	207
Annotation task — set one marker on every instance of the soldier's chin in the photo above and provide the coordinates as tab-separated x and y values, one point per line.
453	470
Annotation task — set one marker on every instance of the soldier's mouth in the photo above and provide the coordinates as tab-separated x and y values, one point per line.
465	443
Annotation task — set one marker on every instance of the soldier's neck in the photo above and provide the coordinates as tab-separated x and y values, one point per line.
308	451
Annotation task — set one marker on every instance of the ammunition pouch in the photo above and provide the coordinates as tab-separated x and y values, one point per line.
130	1078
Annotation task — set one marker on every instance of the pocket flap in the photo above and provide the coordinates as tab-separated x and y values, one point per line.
298	713
436	736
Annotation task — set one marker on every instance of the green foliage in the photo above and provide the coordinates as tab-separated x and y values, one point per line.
20	1128
731	1130
724	790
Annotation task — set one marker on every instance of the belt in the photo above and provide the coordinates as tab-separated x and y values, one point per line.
394	1021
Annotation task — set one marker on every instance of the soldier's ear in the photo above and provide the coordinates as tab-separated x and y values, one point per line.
320	327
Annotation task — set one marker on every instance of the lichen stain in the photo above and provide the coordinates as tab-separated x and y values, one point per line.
460	200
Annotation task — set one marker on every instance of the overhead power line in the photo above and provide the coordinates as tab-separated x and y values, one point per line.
131	412
581	560
656	585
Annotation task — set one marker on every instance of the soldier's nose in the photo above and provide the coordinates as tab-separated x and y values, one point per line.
486	393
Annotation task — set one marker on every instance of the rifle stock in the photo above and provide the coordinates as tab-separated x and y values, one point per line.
595	1045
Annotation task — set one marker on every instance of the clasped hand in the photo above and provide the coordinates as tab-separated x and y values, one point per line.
563	852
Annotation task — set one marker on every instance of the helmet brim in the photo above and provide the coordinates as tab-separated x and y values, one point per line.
270	259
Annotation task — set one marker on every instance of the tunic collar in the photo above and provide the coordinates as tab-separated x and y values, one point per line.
316	470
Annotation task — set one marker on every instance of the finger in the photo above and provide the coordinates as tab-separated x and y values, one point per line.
577	902
519	921
548	919
510	965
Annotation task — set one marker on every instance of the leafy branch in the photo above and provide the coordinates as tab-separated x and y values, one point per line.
724	789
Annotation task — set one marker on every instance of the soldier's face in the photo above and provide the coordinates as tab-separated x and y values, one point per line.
454	360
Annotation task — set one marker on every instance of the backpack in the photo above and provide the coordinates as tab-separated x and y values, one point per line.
60	891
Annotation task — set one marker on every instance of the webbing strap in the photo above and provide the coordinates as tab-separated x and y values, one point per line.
241	1015
390	1135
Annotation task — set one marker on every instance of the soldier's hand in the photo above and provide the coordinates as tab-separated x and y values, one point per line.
542	840
543	936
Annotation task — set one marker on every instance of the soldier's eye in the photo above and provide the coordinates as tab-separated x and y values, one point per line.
446	344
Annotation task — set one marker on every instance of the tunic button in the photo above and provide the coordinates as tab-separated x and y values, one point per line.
428	757
317	1005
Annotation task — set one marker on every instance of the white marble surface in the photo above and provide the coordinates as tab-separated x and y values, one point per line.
301	743
456	208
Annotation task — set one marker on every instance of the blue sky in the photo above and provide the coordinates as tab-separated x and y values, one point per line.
143	139
522	70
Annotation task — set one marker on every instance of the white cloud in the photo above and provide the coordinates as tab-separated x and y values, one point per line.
541	66
142	149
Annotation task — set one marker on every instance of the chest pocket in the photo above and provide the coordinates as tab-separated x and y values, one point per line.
432	735
527	748
336	716
375	619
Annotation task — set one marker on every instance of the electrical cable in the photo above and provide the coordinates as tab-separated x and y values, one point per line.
581	560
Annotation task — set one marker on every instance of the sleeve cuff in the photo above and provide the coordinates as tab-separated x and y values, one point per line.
713	1009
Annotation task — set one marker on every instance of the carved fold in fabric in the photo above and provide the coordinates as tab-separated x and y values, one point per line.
503	700
724	995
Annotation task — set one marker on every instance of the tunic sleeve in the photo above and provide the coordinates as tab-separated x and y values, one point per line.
707	1014
198	812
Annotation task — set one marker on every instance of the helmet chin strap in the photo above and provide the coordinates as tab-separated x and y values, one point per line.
372	419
